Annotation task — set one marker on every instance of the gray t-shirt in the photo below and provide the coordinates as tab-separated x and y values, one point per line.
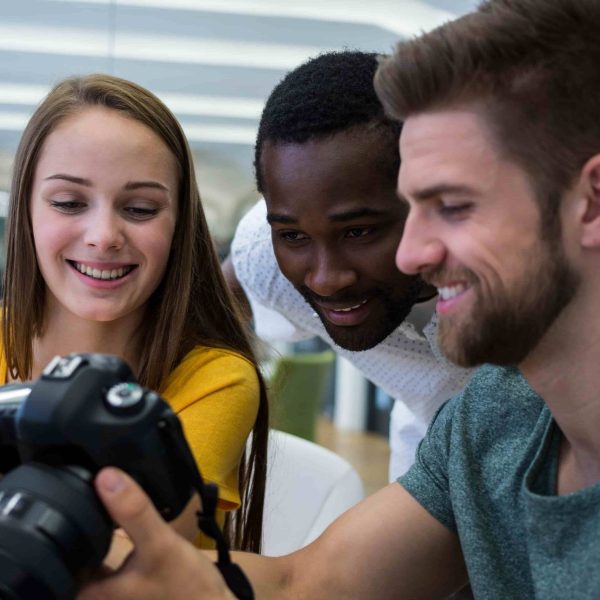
487	471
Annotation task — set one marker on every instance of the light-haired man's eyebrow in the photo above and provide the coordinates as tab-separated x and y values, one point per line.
71	178
441	189
136	185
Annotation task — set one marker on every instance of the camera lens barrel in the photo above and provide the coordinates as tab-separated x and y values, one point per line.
53	529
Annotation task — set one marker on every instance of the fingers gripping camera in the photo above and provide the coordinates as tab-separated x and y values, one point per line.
85	412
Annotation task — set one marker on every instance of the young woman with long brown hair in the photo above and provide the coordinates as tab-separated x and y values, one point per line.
109	251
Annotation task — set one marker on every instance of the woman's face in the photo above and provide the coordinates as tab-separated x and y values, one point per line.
103	211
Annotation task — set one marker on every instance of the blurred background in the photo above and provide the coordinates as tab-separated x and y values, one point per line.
213	62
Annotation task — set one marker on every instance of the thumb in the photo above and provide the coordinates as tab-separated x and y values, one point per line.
130	508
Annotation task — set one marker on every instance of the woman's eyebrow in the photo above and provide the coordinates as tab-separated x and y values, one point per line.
135	185
131	185
71	178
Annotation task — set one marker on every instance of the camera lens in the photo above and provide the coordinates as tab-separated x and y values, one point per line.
16	583
53	532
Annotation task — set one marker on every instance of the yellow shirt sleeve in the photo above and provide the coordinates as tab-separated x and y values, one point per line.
3	367
215	393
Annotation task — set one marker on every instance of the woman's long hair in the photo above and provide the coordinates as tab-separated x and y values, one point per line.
191	306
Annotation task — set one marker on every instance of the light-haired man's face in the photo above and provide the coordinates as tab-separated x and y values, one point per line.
473	231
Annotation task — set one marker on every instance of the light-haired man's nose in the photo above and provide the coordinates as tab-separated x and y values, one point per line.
419	249
328	273
104	231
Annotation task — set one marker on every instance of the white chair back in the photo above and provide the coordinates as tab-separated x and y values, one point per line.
308	487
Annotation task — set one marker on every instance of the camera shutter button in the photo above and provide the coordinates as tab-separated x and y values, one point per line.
125	398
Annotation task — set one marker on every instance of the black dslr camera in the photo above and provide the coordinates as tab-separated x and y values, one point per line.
85	412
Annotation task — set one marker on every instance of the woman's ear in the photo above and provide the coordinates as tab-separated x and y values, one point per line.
590	214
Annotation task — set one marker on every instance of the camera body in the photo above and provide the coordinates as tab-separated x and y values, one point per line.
85	412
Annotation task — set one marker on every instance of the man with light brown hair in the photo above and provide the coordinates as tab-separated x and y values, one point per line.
501	171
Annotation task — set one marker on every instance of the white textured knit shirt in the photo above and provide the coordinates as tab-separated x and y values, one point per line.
406	365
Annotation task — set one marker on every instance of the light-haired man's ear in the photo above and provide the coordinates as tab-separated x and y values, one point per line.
590	214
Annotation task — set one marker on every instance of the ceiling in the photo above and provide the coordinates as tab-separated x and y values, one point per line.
213	62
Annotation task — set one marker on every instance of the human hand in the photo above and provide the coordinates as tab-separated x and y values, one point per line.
162	564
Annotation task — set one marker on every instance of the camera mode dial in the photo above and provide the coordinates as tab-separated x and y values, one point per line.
125	398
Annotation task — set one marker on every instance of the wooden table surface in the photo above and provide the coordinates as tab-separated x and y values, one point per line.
368	452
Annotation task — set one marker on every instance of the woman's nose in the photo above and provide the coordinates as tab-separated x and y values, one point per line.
104	231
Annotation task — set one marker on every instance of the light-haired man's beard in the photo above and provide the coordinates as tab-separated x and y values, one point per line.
505	325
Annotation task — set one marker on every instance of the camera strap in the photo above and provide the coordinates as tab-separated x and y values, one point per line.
233	575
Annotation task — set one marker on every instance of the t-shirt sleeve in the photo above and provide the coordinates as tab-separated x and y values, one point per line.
216	396
427	479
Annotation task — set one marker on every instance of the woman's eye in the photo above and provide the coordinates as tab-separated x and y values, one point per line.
67	206
140	212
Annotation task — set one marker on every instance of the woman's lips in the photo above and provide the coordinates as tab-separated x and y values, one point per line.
103	272
96	280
